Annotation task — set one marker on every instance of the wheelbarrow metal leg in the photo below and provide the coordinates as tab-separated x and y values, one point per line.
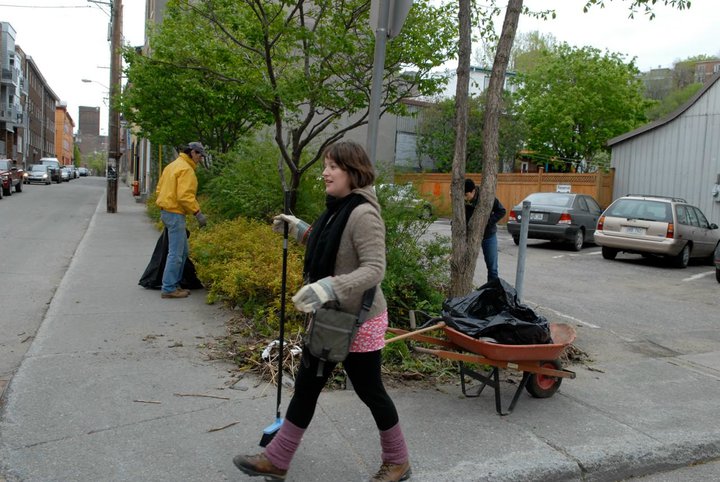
491	379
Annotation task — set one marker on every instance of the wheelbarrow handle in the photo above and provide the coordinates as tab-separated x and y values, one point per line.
409	334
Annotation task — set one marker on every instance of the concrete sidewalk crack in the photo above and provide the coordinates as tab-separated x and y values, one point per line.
123	425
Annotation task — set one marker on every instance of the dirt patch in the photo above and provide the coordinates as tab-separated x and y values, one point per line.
252	353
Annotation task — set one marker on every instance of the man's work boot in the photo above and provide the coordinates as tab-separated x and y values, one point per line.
175	294
258	465
392	473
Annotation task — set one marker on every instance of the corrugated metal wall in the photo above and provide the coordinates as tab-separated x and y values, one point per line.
680	158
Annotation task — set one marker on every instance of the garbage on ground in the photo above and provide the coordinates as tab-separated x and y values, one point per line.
493	312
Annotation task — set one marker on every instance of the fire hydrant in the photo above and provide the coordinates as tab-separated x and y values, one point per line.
136	188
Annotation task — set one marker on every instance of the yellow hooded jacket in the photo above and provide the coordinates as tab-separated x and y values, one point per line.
177	187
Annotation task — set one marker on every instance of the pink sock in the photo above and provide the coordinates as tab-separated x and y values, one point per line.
281	449
394	449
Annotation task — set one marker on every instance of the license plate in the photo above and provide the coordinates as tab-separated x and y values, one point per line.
536	216
633	230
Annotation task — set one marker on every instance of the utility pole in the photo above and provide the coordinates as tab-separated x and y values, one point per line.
114	153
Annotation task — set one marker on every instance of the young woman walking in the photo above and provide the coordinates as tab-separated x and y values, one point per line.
345	256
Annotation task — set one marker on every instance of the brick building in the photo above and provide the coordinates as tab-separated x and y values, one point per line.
64	126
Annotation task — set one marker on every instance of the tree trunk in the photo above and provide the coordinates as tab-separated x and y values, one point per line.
466	241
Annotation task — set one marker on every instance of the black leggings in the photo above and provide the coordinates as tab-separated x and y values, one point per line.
363	369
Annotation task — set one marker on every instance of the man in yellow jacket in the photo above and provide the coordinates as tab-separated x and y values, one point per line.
176	198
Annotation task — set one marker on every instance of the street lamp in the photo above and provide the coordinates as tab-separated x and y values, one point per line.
106	97
89	81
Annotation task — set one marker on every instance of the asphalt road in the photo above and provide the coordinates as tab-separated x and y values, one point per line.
627	308
40	229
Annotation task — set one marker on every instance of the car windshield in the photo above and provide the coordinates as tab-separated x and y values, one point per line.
641	209
5	165
551	199
36	167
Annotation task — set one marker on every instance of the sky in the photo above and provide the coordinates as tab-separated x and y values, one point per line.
68	39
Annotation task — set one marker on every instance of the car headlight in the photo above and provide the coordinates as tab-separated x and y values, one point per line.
44	176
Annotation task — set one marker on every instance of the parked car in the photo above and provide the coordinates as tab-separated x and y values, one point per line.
11	177
717	263
557	216
656	225
39	173
83	171
66	173
404	196
53	168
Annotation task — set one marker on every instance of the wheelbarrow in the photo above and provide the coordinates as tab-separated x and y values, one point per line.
539	364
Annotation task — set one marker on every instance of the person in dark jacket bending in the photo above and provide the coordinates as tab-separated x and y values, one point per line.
489	240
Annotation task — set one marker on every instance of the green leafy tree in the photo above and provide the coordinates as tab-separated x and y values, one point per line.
77	156
578	98
97	162
436	133
306	65
465	242
174	99
672	101
684	71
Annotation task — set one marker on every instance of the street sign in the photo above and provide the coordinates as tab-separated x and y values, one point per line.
386	20
397	14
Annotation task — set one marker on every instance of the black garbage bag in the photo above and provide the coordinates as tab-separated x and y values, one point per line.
152	277
493	311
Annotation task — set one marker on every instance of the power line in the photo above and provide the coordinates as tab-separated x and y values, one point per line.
43	6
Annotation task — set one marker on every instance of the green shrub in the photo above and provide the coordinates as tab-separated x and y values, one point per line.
417	275
246	185
240	264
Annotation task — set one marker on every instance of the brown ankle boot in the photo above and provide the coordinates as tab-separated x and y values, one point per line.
392	473
258	465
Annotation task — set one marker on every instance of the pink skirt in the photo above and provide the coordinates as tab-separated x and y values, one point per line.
371	335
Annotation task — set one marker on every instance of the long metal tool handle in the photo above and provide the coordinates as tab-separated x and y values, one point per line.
283	286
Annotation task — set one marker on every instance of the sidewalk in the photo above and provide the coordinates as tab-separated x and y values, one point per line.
96	398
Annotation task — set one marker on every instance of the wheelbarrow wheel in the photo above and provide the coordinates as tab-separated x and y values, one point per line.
543	386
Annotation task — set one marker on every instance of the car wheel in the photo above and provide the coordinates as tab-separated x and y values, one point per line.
717	274
516	240
579	240
683	257
544	386
609	253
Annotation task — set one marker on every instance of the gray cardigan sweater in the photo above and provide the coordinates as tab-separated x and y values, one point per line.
360	262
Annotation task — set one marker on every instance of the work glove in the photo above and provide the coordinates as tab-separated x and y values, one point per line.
311	297
201	219
297	228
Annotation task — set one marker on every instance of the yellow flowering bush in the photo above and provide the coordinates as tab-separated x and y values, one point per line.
240	263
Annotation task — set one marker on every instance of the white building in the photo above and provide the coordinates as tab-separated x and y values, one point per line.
678	155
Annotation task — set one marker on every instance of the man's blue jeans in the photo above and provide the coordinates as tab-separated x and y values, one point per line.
490	253
177	250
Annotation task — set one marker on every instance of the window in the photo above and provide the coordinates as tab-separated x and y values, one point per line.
594	207
681	215
582	204
702	220
692	217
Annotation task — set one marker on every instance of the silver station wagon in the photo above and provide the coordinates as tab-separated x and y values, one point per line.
656	225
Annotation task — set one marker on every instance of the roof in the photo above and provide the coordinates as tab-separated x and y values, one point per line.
667	119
